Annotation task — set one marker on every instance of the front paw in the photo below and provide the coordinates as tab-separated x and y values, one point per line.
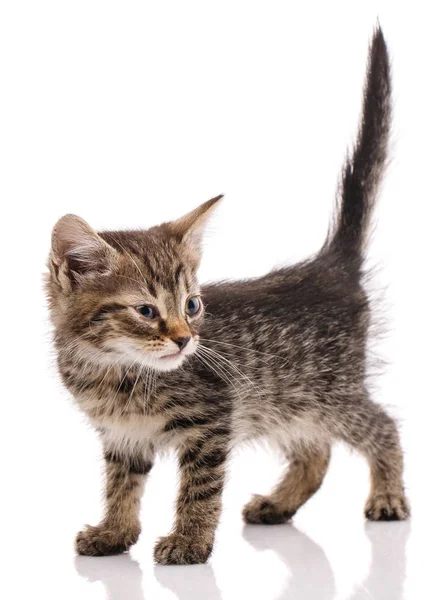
103	541
177	549
387	507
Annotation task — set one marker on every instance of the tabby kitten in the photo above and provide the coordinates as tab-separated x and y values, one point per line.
282	355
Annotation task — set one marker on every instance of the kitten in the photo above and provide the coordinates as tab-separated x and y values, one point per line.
282	355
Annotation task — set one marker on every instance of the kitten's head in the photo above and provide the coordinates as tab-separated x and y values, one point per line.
128	296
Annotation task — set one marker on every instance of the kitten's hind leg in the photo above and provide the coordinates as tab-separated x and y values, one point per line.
303	477
369	429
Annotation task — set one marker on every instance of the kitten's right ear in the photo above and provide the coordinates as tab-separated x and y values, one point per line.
75	243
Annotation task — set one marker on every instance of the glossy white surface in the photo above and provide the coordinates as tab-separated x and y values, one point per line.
132	113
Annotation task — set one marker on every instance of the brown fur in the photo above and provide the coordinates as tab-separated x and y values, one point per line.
282	356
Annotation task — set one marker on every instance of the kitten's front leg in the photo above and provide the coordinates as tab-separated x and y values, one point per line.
202	468
120	527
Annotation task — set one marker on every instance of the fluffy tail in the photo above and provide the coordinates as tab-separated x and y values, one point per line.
362	172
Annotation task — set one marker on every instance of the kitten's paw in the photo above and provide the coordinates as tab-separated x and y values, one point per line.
176	549
100	541
262	511
387	507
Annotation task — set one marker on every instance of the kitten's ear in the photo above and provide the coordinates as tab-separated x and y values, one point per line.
73	241
190	228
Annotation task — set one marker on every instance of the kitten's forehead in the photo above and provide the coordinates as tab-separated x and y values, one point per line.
162	264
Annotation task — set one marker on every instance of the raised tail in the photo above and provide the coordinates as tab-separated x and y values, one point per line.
362	172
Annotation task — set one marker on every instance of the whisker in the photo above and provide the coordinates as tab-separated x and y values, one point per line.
147	386
213	368
132	391
244	348
110	368
233	366
151	384
220	371
123	379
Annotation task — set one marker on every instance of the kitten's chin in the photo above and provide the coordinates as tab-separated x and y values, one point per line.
169	363
163	364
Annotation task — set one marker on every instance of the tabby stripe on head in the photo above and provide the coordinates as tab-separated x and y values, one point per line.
106	309
151	288
177	274
154	276
174	282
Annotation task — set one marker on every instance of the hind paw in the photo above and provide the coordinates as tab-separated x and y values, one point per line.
261	510
387	507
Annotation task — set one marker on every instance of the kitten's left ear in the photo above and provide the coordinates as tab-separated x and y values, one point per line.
190	228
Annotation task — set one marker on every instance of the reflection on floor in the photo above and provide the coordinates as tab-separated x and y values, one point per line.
311	574
388	562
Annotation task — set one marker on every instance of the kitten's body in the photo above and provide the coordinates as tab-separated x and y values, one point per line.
281	356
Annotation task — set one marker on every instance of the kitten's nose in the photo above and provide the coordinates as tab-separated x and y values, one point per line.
181	342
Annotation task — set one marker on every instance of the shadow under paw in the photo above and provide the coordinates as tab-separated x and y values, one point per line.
262	511
177	549
97	541
387	507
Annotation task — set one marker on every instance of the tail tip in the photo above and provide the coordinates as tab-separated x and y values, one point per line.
378	43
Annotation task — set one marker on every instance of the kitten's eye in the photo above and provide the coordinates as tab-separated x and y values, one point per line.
193	305
148	312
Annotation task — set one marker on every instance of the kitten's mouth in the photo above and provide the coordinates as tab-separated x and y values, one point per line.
172	355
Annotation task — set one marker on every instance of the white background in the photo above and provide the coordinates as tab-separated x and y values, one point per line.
131	113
